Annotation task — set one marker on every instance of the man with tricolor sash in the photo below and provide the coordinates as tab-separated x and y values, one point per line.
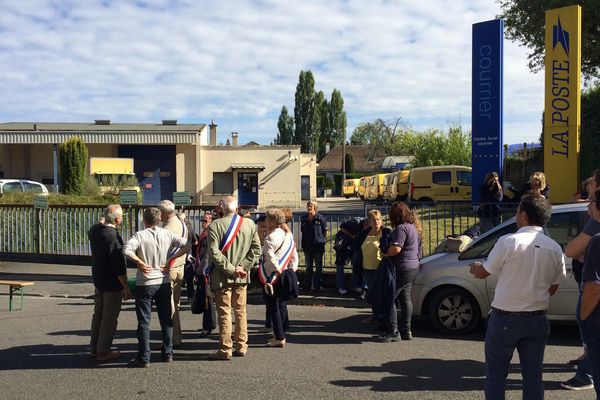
233	249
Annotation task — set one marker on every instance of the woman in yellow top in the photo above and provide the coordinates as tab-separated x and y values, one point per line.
367	253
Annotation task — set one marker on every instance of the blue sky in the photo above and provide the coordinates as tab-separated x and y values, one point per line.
237	62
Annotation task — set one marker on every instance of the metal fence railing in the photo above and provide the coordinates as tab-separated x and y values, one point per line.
63	230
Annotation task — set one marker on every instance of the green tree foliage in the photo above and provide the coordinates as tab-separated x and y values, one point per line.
589	155
320	124
337	118
349	163
525	21
285	125
384	137
304	110
432	147
73	164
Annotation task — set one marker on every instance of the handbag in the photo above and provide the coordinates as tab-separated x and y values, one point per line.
200	300
289	285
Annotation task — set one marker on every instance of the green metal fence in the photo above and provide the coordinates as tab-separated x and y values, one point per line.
63	230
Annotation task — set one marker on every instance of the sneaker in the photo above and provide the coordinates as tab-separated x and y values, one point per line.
389	337
406	335
276	343
342	291
237	353
166	359
137	363
576	384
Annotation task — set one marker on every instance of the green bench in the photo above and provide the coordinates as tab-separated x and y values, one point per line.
13	287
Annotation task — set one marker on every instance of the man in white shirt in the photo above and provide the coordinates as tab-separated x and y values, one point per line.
529	266
150	249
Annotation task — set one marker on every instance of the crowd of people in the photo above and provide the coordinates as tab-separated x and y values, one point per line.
528	266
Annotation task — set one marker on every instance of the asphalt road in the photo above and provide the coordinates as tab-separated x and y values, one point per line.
330	355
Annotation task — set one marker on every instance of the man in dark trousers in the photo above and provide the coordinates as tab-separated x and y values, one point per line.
110	282
529	267
314	233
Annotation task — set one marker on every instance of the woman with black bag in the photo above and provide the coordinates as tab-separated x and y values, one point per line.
277	273
403	254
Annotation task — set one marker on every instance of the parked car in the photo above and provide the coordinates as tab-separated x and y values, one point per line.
440	183
21	185
455	302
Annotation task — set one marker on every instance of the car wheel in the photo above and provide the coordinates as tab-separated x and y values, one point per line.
453	310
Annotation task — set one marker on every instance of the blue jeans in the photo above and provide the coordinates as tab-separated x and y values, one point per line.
144	295
591	334
367	275
313	279
584	368
340	277
505	333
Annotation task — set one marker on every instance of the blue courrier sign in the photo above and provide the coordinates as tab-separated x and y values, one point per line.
486	113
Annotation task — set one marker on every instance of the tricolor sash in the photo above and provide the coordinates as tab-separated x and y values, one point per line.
227	241
176	249
282	264
231	234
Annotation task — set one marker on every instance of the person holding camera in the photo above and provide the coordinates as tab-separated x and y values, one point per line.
490	196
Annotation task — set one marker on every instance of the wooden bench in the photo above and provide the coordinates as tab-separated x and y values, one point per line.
13	287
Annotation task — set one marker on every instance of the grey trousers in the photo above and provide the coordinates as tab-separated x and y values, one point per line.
107	306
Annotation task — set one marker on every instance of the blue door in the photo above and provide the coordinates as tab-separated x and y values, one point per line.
248	189
149	158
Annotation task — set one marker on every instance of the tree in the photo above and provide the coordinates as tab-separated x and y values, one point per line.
304	111
320	124
436	148
525	21
337	118
385	138
285	124
73	163
349	163
589	155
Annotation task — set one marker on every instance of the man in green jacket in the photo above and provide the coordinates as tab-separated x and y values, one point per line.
233	248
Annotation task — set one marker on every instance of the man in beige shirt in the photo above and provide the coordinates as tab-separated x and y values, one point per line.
174	225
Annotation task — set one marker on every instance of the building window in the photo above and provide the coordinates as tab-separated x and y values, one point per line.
222	182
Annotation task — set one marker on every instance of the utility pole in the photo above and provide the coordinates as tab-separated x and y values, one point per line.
343	161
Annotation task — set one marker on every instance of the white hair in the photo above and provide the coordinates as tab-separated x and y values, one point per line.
111	213
167	207
229	204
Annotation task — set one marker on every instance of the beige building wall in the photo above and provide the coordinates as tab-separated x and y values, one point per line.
102	150
185	168
308	167
279	182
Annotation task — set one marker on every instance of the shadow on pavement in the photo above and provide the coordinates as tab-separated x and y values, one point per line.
428	374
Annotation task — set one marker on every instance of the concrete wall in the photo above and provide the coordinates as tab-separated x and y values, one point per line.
308	166
279	182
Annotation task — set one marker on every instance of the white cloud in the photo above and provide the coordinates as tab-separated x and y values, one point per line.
238	62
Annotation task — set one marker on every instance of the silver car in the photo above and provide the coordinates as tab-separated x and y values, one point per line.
455	302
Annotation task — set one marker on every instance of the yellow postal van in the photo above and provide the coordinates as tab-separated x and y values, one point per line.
362	187
399	186
440	183
350	188
375	187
